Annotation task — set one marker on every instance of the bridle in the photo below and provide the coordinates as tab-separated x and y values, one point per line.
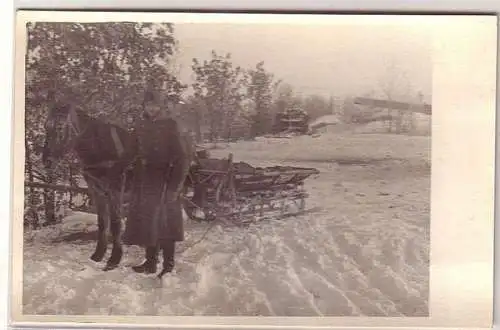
73	124
72	131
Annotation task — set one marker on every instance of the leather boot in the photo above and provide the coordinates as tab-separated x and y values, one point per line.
148	266
168	258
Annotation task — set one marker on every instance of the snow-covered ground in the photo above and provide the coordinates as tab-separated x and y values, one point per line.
363	252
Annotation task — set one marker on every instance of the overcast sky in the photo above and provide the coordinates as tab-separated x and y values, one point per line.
327	60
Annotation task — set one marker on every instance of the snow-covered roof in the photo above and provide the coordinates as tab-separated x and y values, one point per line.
325	120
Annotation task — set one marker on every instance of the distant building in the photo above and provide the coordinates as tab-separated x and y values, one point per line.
323	123
294	120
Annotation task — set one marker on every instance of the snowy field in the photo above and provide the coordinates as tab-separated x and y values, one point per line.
363	252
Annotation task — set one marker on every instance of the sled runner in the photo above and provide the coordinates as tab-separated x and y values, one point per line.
240	193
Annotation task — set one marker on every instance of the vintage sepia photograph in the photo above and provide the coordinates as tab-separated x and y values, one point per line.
232	168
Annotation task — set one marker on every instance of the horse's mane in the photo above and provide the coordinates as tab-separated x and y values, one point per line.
98	121
99	129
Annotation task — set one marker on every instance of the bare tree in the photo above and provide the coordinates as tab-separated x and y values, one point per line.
395	85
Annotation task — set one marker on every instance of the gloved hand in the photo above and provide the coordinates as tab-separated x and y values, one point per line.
171	196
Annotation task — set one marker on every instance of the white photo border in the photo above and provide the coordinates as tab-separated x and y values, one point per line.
463	169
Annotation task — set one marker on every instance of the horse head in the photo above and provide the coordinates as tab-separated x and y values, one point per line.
62	128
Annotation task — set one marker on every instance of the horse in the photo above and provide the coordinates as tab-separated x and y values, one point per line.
105	152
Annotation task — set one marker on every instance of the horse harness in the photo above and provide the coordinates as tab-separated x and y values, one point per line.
102	188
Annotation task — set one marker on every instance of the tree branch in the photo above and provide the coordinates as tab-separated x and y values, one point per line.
56	187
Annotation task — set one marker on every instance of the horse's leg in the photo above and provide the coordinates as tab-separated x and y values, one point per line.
102	225
116	230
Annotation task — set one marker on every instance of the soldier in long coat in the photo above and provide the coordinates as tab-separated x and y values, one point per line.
155	219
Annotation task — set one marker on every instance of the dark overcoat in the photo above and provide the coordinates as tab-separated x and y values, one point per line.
162	167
